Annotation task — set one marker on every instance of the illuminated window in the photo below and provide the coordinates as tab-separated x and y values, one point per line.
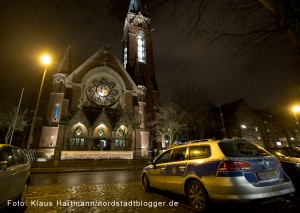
78	131
121	133
100	132
243	126
77	142
141	47
119	143
125	57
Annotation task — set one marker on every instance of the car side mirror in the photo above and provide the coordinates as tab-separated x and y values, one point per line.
153	164
3	165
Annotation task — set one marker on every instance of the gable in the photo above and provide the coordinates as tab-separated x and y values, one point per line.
102	58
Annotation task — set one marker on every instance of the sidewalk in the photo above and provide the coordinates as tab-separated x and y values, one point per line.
84	166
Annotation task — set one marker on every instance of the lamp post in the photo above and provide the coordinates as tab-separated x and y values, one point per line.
45	59
295	110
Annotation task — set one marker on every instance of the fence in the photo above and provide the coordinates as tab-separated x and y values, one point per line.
41	154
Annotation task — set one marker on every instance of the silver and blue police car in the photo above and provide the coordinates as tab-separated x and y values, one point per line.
218	170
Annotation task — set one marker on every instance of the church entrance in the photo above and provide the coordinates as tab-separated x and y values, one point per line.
101	144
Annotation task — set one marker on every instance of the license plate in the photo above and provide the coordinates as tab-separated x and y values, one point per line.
267	175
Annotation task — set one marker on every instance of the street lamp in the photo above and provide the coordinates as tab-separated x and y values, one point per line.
295	110
46	60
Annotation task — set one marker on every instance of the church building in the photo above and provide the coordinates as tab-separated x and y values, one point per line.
107	104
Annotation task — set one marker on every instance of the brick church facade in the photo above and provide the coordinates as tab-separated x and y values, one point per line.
106	104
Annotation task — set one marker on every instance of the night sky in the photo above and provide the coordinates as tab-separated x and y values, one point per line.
262	77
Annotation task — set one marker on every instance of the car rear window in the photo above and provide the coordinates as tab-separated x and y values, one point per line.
241	148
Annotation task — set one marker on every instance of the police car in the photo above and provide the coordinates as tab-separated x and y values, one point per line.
218	170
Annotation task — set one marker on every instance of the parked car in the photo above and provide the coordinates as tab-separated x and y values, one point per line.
296	149
290	161
220	170
14	175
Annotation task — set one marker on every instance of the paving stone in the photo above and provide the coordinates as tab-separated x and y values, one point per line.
120	198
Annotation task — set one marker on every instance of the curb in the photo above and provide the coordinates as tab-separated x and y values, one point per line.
69	170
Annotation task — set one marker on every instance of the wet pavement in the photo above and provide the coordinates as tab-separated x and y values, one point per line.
78	194
126	197
116	197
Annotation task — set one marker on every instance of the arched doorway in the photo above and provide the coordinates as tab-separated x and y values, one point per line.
101	138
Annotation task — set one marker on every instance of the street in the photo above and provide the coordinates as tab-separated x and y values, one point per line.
116	191
97	177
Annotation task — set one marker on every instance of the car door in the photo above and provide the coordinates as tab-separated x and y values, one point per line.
175	169
7	179
157	174
19	171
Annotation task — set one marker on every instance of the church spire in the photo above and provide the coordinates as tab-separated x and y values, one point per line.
66	63
136	6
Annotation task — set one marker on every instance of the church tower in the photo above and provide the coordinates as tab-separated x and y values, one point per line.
53	130
138	59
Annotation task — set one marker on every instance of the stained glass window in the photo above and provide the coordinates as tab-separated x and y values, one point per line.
56	111
121	133
78	131
100	132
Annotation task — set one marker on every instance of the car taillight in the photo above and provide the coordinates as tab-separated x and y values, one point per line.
234	165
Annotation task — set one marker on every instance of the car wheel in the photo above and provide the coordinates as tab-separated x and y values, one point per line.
23	194
146	183
197	196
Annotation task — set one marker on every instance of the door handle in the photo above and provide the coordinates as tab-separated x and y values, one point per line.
181	168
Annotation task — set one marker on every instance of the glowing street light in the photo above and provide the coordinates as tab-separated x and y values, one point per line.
46	60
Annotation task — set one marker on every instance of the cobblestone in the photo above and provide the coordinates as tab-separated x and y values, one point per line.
118	197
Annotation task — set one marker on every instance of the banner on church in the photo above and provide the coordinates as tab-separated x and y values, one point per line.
71	155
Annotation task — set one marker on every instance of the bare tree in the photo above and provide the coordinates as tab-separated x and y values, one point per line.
245	25
170	119
185	113
286	14
9	123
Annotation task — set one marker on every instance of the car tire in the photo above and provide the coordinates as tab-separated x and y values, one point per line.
197	196
146	183
23	194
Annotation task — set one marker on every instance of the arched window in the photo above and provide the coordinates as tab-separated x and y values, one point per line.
141	52
56	111
78	139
